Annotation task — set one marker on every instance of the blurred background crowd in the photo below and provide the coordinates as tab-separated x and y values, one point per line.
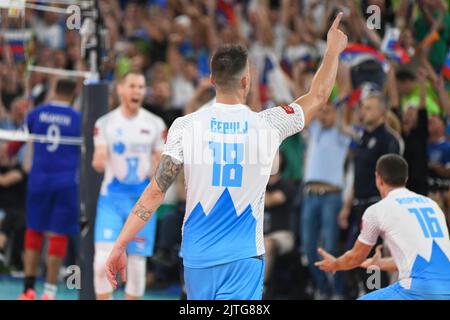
391	95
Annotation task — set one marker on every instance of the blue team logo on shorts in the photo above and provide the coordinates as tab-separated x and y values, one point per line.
119	147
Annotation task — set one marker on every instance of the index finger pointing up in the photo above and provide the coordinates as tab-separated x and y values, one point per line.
337	20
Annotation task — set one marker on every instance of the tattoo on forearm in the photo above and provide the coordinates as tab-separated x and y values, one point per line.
142	212
167	171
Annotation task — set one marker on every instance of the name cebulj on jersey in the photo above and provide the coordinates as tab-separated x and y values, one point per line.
224	127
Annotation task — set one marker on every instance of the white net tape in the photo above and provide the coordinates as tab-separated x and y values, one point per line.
52	137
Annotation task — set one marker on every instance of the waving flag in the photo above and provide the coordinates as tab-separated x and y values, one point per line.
272	84
391	47
225	11
15	43
357	53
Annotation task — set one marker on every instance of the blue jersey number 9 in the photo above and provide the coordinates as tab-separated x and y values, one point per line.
53	137
231	171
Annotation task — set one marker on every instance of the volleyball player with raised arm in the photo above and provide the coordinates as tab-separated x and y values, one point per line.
227	152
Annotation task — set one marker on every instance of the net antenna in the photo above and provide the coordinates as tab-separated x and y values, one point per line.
92	31
92	36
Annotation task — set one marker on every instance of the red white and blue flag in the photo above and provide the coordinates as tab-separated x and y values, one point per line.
392	48
356	53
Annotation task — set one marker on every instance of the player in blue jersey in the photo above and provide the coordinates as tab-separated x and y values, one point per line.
414	229
227	152
52	194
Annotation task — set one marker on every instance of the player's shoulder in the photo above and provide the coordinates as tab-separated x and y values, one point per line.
375	208
72	112
380	207
184	122
150	116
107	116
40	108
282	109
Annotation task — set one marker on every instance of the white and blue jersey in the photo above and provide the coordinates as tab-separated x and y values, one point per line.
52	197
131	143
415	231
227	152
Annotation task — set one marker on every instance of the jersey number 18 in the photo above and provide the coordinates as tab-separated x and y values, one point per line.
230	173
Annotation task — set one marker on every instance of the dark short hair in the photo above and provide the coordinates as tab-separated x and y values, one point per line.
66	87
393	169
227	63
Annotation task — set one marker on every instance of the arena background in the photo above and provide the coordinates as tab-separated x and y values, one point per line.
393	48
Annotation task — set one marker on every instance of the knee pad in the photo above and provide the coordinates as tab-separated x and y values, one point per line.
136	279
101	283
33	240
57	246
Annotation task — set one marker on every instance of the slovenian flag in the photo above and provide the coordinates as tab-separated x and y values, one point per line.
446	67
391	47
356	53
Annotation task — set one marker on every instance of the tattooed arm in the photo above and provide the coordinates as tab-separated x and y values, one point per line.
166	172
151	198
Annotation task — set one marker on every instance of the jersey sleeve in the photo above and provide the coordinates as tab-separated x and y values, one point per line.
100	132
370	228
158	146
174	144
286	120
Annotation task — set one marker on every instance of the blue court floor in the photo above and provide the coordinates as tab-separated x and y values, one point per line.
11	288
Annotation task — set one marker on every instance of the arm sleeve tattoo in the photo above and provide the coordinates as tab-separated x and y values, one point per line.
142	212
167	171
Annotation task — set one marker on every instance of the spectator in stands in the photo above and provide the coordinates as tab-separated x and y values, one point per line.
324	181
